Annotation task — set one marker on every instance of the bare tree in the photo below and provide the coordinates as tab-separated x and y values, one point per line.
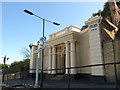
26	53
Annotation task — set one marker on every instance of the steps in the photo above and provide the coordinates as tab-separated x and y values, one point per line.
57	77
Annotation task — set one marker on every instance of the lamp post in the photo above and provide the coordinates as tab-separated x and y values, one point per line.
42	39
37	67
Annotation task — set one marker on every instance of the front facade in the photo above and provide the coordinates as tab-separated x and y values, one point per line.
97	42
72	47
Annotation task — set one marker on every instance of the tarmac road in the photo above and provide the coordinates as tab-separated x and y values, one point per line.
62	84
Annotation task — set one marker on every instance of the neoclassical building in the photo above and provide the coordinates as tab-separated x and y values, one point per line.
73	47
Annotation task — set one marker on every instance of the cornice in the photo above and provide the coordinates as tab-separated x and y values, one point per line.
92	20
61	36
64	29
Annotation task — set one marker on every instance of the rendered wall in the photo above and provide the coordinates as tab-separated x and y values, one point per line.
84	51
95	45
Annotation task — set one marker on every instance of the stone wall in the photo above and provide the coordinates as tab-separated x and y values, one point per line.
117	57
111	53
16	76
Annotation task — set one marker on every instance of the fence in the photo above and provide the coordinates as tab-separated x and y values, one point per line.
89	66
25	75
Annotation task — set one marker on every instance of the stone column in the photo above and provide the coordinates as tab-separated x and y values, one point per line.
67	58
49	61
58	58
53	59
73	58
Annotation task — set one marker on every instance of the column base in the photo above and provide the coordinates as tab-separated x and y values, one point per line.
66	72
49	72
53	73
73	71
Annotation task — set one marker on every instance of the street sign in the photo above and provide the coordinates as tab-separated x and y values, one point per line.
43	39
36	51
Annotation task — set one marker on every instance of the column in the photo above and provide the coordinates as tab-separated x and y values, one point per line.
49	61
58	58
72	54
33	58
67	58
53	59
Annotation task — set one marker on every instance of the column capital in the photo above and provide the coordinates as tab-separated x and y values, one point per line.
66	42
49	47
72	41
53	46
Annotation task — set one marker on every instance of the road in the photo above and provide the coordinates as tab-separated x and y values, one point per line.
63	84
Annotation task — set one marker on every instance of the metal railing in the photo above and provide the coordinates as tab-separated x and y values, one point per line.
95	65
87	66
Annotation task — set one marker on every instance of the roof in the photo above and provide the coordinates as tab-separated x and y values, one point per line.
65	28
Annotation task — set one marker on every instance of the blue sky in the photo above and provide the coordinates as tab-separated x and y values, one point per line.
20	29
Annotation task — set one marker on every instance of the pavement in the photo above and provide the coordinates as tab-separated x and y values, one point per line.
29	83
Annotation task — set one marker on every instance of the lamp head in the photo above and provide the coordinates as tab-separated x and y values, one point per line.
28	12
56	23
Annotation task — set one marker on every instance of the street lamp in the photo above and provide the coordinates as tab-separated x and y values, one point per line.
37	67
4	61
42	39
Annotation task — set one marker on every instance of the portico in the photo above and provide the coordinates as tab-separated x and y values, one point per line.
62	50
62	56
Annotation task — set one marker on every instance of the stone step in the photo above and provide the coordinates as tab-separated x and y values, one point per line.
57	77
